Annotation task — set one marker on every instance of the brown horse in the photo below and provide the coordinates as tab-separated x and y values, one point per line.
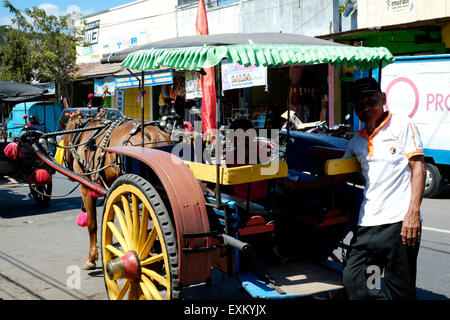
89	158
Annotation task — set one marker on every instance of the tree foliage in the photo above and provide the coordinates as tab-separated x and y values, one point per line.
15	62
42	47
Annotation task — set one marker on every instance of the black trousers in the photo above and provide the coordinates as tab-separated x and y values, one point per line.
374	250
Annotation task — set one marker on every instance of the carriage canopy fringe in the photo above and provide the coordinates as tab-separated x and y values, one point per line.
258	54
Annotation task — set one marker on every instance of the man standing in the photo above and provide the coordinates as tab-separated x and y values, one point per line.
387	237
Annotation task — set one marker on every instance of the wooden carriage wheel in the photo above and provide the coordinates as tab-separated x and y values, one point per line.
139	247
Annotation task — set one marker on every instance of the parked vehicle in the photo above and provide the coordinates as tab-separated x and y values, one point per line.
47	114
418	86
340	130
16	161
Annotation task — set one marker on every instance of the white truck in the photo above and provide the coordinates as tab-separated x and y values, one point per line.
419	86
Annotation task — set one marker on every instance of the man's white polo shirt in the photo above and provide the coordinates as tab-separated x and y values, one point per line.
384	162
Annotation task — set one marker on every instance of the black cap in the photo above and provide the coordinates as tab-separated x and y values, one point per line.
364	87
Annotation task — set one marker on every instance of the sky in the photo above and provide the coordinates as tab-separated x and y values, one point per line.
61	7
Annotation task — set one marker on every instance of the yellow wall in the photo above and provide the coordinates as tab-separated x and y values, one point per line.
133	106
445	31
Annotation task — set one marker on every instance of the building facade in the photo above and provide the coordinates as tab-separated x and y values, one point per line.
146	21
405	27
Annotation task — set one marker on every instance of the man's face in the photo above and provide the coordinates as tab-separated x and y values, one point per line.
370	108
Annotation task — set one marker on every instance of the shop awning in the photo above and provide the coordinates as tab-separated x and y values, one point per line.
261	49
96	69
18	92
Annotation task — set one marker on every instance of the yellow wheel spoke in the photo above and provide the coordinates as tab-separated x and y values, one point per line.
132	292
153	259
148	244
135	213
151	287
112	288
118	236
124	290
155	276
123	225
146	291
143	228
126	209
114	250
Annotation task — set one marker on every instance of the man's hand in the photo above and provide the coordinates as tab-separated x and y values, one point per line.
411	227
411	230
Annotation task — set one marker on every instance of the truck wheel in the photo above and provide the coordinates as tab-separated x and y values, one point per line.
434	183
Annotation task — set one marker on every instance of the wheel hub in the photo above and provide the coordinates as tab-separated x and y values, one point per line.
128	267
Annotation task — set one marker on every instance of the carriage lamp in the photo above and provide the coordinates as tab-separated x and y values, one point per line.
128	267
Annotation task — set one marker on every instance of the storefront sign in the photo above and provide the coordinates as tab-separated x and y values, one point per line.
126	40
154	78
399	5
91	34
120	99
236	76
193	85
104	86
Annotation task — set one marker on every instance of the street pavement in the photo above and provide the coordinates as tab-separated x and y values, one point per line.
41	249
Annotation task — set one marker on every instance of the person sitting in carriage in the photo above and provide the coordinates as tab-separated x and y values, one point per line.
101	113
256	192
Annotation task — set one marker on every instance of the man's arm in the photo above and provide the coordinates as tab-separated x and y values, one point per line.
411	228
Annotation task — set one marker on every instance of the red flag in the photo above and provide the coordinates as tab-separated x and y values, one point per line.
208	81
201	24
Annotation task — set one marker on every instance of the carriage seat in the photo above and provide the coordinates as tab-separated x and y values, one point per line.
256	224
320	211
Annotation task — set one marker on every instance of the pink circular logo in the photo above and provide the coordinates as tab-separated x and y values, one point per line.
413	86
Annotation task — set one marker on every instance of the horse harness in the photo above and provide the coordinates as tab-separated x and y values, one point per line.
105	137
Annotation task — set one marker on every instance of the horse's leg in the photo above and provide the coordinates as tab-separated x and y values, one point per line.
91	211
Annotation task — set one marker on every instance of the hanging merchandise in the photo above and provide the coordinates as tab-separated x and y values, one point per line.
193	85
324	108
295	96
161	101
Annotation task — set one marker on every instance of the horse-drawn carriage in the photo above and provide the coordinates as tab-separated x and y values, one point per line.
15	163
168	219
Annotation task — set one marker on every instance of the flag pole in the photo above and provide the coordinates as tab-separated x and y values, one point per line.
142	107
218	140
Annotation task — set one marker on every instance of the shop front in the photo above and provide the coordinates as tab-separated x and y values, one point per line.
303	88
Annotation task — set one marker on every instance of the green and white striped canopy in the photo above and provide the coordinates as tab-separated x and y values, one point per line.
196	58
260	49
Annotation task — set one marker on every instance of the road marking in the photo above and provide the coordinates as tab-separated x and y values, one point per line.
437	230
